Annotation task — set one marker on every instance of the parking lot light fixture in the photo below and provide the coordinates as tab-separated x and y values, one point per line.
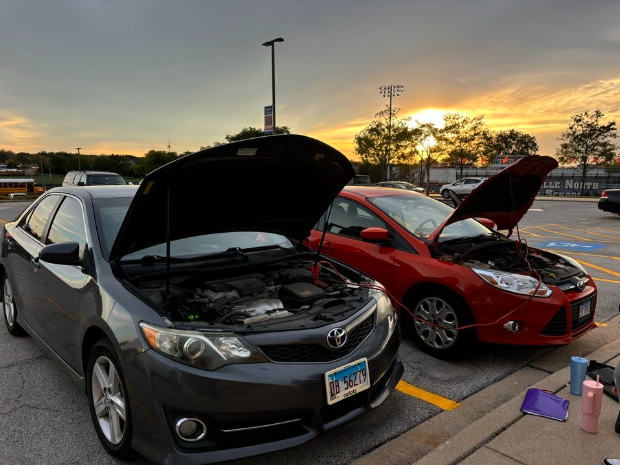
392	90
79	164
272	44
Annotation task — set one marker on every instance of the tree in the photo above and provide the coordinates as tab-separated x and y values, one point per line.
427	148
380	140
511	142
587	142
152	160
462	139
247	133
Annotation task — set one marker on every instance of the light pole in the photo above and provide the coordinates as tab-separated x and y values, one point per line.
393	90
79	164
272	44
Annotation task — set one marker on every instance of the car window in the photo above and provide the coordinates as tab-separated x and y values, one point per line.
36	221
68	225
69	177
459	182
472	181
83	179
105	180
76	178
348	218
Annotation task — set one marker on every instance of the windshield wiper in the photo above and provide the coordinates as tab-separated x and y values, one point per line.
149	260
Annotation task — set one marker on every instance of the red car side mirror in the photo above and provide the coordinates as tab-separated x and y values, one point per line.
375	234
486	222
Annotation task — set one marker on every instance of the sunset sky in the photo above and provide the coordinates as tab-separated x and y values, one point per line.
115	76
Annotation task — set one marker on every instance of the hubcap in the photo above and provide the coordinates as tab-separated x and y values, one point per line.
440	313
109	400
9	304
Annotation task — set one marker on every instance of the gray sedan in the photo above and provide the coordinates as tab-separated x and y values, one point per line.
198	324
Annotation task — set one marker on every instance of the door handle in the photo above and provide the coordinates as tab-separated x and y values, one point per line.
36	263
328	245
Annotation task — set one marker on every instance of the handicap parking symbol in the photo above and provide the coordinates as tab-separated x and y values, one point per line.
570	245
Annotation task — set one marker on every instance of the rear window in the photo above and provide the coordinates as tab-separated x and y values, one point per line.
105	180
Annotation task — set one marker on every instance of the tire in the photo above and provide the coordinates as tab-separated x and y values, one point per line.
114	432
445	194
443	309
9	308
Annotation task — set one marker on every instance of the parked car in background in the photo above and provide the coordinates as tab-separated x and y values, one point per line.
201	338
451	271
359	180
462	187
93	178
399	185
610	201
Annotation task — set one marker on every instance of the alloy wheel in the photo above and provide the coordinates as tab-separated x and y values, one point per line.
9	304
108	399
440	313
446	194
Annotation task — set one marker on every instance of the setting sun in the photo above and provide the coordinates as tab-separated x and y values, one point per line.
428	115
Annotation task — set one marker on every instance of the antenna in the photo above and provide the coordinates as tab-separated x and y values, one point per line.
168	146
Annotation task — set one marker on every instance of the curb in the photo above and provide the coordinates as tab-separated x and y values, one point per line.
448	437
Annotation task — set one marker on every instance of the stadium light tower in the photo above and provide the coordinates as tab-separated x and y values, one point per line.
393	90
272	44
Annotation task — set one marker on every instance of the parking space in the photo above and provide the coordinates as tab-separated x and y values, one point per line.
44	418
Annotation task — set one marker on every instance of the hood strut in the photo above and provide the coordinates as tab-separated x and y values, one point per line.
168	243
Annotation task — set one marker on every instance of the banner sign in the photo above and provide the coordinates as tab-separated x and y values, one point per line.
268	120
571	187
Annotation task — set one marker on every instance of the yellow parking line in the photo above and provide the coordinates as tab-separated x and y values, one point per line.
578	237
589	232
607	280
596	267
441	402
541	226
605	229
2	221
600	325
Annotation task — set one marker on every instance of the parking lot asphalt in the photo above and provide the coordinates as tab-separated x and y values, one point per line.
44	418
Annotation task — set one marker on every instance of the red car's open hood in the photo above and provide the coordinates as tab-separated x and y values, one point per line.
504	198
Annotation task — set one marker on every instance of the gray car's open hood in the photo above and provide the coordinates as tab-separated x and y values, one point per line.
505	197
280	184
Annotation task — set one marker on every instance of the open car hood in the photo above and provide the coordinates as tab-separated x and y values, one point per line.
504	198
280	184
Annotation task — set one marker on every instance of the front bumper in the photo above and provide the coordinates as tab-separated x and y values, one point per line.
550	321
248	409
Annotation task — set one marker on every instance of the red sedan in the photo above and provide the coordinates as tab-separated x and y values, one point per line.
451	271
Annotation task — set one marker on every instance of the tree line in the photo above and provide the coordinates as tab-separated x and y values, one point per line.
468	141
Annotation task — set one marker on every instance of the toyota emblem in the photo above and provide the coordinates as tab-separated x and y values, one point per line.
337	337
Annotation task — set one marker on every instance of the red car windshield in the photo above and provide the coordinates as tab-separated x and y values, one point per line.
420	216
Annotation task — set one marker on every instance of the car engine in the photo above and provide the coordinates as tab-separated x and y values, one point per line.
281	291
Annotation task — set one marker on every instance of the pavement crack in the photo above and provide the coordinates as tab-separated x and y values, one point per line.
23	362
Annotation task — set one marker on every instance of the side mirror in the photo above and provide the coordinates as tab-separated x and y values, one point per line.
486	222
375	234
63	253
81	183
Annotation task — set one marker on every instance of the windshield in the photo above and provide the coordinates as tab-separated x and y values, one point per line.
421	216
110	213
105	180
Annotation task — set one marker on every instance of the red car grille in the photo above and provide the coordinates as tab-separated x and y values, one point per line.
557	325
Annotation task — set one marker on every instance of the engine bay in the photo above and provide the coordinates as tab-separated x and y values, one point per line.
283	291
503	255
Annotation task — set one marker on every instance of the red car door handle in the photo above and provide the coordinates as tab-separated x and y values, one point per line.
328	245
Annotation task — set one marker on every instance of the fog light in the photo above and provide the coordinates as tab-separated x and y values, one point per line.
511	326
191	429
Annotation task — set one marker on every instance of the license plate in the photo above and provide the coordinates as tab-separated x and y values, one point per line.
584	309
347	380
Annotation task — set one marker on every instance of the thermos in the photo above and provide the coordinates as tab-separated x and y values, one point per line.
578	370
591	402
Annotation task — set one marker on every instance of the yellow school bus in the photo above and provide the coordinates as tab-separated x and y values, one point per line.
19	186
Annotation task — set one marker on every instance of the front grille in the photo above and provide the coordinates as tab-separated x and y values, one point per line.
557	325
314	353
577	323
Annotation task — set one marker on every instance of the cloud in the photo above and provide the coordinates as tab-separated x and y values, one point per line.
17	131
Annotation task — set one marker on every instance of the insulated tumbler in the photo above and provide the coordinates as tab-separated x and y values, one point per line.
578	370
591	403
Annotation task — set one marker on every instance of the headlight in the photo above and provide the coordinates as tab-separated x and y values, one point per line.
384	307
573	262
208	351
516	283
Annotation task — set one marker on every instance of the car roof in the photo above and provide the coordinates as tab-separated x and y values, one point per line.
369	192
94	172
97	192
